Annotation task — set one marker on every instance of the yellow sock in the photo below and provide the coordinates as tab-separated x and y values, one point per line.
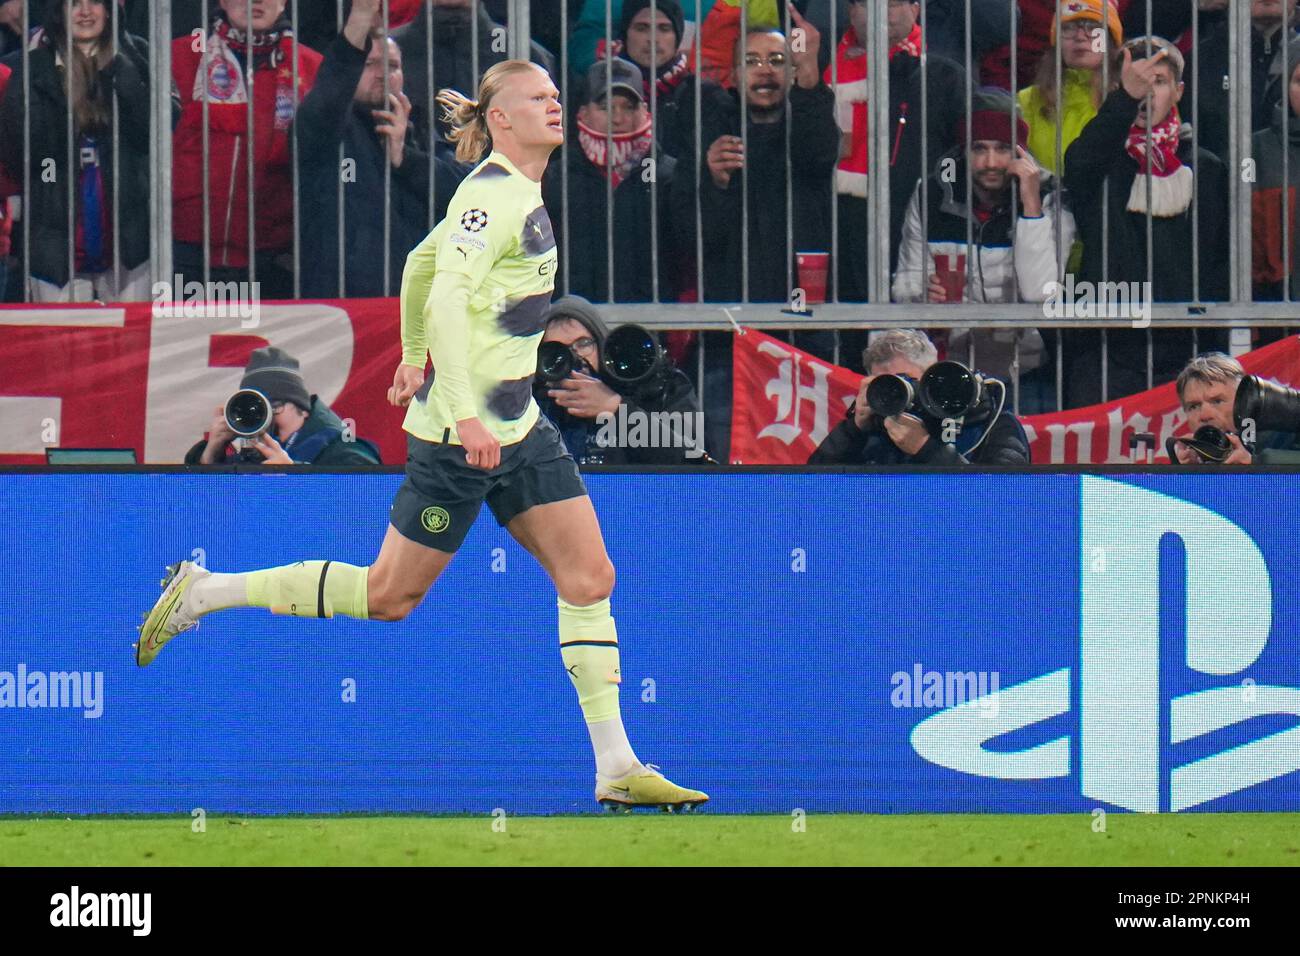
311	589
589	646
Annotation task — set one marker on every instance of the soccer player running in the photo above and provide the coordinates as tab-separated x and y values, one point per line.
474	297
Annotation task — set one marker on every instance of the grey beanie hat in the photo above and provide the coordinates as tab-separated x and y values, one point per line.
275	373
578	309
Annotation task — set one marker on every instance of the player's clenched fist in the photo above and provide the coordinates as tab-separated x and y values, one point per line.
406	382
482	448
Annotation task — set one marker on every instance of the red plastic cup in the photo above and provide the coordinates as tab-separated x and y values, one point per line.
813	267
952	274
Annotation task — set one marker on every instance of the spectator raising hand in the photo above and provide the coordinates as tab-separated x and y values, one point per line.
805	44
392	125
1029	176
1138	77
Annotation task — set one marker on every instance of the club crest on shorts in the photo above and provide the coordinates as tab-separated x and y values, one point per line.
473	220
435	519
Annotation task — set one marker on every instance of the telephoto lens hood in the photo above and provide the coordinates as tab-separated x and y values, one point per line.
1271	407
890	395
950	390
555	361
248	413
633	355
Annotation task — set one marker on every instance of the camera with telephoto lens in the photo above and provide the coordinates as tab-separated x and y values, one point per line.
557	361
634	362
947	390
1269	406
249	414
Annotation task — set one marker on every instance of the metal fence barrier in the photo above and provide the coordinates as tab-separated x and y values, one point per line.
694	260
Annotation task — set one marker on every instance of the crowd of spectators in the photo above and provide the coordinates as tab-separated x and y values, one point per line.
1047	175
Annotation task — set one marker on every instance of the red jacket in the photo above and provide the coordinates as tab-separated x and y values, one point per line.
273	112
8	186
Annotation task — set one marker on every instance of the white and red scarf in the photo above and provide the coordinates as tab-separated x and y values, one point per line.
1171	180
851	87
627	149
224	81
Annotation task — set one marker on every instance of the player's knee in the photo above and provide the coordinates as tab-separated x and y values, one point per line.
392	607
589	585
388	603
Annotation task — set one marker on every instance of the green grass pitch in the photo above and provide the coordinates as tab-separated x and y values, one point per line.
1225	839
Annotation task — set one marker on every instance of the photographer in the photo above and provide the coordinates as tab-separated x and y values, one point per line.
1207	390
586	409
988	435
304	431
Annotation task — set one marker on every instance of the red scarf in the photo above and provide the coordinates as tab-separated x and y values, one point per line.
1171	189
628	149
1164	146
265	43
850	89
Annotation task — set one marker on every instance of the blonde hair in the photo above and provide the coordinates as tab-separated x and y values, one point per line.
468	118
1045	78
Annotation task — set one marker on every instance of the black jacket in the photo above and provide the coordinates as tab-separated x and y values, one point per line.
336	450
814	151
47	209
945	105
1098	156
453	54
1214	102
326	118
1005	443
1169	19
586	255
990	27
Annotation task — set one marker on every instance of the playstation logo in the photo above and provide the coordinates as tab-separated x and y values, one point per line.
1130	723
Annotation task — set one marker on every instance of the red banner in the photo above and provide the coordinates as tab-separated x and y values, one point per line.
785	402
145	377
150	377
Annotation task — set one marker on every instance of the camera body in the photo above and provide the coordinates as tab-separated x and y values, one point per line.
1209	442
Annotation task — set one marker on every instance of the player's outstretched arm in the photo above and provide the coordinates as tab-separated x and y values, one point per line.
417	281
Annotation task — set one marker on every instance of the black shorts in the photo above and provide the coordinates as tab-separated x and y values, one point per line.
442	493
